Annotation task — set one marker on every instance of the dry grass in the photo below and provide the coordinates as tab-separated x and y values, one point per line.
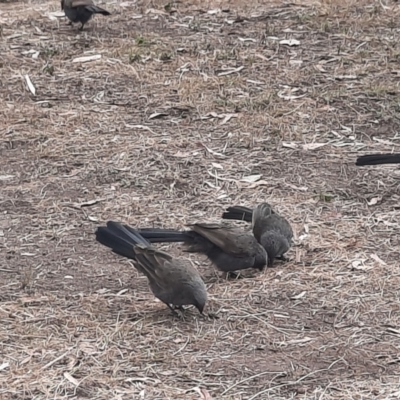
156	133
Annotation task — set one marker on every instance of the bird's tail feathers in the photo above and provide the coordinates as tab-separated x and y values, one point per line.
155	235
120	238
97	10
238	213
194	241
377	159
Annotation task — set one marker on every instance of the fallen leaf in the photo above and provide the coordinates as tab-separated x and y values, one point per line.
359	265
232	71
158	115
259	183
30	85
376	258
214	152
4	365
227	117
71	379
181	154
345	77
87	58
87	203
298	296
374	201
217	166
251	178
87	348
313	146
247	40
290	145
205	394
290	42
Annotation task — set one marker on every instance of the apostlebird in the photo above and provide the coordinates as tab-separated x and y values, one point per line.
270	229
376	159
81	10
229	249
174	281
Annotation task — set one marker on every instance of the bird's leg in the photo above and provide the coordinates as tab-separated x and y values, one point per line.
282	258
171	308
174	310
233	275
81	26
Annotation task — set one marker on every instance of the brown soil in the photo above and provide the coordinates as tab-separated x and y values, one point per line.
184	100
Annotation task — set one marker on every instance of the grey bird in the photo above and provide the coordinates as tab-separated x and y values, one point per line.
377	159
229	249
270	229
81	10
175	282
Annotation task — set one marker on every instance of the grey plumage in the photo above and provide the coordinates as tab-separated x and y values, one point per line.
229	249
270	229
81	10
175	282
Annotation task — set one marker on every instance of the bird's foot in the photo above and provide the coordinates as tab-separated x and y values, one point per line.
177	311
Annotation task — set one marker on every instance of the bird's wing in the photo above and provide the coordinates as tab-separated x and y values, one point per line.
228	240
279	224
160	267
80	3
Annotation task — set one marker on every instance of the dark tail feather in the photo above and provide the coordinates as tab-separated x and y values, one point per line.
376	159
164	235
238	213
120	238
97	10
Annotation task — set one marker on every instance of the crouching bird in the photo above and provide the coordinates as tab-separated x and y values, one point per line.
81	10
270	229
376	159
175	282
229	249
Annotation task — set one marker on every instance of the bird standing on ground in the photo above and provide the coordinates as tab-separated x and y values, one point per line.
270	229
229	249
376	159
175	282
81	10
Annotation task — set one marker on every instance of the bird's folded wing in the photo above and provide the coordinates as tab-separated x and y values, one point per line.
280	224
228	240
80	3
156	264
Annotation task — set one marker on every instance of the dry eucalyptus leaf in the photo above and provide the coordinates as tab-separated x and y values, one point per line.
87	58
376	258
374	201
30	85
313	146
290	42
298	296
251	178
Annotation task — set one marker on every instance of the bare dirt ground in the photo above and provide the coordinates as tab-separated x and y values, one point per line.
182	104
